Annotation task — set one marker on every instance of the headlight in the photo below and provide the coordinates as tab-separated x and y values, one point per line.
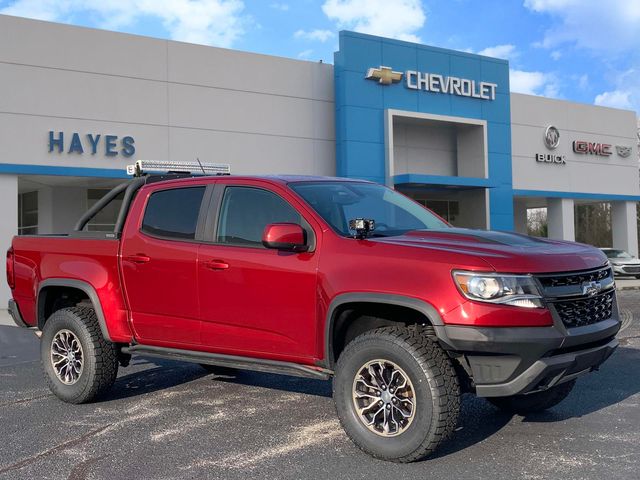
516	290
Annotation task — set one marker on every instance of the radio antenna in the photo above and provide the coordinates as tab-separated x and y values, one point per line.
201	167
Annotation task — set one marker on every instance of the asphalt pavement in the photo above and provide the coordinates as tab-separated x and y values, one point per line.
170	420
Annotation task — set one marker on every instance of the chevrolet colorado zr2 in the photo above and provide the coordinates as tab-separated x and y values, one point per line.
322	278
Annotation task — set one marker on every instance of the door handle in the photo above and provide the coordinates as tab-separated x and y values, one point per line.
140	258
216	265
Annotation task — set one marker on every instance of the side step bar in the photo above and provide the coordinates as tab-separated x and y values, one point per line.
243	363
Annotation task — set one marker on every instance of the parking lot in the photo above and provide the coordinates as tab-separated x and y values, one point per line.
166	420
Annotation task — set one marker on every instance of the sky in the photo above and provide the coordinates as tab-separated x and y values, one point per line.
581	50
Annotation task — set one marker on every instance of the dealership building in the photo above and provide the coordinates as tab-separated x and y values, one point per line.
77	105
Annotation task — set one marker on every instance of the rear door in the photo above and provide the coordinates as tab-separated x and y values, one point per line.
159	265
253	299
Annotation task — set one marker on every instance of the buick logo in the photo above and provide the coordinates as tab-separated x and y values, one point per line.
591	288
551	137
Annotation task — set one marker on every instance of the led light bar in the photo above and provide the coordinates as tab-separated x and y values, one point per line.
196	168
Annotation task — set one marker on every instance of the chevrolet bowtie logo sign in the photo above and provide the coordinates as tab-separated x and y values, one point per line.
384	75
433	82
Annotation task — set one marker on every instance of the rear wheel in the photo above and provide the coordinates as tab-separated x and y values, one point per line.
78	363
534	402
396	394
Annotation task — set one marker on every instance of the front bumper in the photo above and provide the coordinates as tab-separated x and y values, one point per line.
14	311
511	361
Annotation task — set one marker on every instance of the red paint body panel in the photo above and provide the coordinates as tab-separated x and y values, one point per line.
270	303
92	261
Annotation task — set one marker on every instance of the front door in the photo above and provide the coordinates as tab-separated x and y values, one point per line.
253	299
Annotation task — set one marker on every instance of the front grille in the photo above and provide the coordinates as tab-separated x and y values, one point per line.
630	269
569	279
586	311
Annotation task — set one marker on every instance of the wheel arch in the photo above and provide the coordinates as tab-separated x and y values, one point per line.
419	311
52	285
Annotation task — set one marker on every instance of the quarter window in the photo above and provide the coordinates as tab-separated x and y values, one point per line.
247	211
173	213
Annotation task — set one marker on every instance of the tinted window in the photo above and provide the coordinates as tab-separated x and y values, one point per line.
173	213
247	211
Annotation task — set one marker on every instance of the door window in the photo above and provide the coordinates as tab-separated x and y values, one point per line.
247	211
173	213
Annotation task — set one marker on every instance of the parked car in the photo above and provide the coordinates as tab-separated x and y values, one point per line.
321	278
623	263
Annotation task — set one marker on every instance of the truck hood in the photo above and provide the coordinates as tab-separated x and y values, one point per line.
505	251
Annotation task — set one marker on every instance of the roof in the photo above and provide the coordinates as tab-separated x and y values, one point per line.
281	179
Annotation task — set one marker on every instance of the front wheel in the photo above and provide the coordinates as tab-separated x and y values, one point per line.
396	394
78	363
534	402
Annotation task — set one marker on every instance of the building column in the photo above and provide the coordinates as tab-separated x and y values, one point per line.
520	216
45	210
8	226
560	219
624	226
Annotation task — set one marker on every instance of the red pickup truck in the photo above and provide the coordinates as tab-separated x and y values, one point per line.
317	277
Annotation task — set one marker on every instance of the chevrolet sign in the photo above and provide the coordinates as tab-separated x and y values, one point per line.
432	82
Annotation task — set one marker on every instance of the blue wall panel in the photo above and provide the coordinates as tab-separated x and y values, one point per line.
361	103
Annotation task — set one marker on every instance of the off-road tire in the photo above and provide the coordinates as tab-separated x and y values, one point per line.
100	357
437	392
534	402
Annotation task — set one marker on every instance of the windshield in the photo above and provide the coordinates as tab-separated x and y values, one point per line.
617	254
393	213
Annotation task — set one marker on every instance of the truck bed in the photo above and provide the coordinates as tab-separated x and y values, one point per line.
90	262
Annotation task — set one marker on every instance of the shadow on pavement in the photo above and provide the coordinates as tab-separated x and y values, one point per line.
616	381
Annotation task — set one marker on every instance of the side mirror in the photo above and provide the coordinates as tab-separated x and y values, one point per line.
285	236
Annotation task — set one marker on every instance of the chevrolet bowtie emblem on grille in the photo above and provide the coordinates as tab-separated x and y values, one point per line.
384	75
591	288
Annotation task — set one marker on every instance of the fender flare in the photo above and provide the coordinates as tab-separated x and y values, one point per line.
80	285
421	306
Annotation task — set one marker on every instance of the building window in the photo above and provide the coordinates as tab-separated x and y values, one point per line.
28	213
447	209
105	219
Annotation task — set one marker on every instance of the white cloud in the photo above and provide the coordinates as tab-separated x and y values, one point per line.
399	19
283	7
556	54
211	22
583	81
507	51
319	35
611	26
533	83
615	99
305	53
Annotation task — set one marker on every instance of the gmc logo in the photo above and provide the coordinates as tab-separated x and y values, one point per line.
592	148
